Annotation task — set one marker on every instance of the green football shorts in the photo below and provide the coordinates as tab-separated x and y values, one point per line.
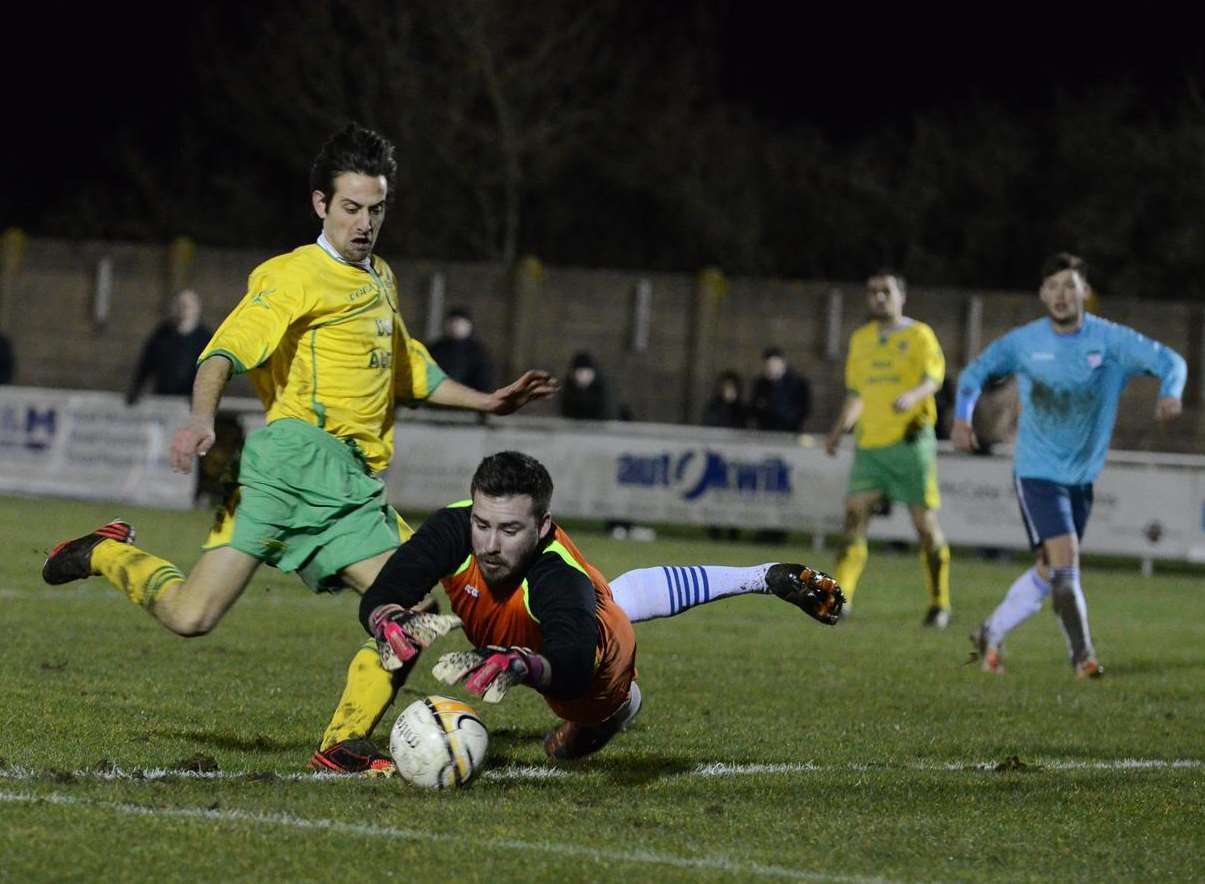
306	502
905	472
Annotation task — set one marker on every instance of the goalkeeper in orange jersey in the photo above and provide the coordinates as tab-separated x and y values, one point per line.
538	612
894	367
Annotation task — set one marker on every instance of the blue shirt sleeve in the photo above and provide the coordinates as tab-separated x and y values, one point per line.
1139	354
997	361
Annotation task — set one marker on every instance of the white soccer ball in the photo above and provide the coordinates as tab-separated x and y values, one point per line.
438	743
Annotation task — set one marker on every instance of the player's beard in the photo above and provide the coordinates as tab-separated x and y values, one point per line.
507	574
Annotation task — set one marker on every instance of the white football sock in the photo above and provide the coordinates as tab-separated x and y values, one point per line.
649	593
1023	600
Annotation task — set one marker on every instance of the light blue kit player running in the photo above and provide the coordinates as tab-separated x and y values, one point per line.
1071	368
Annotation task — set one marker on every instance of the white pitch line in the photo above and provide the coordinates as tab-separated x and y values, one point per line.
536	773
643	857
722	769
19	773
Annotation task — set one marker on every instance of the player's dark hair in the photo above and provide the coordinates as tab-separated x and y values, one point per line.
900	282
353	148
1065	261
508	473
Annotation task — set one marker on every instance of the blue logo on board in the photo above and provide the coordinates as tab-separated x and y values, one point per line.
695	473
24	426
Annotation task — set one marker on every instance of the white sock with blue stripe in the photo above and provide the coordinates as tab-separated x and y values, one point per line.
649	593
1024	599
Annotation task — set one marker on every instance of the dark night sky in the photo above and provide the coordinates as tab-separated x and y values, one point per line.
73	87
850	73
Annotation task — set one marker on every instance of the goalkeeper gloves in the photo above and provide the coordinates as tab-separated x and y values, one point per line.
490	672
401	633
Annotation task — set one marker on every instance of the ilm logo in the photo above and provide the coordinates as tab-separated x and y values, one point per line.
30	428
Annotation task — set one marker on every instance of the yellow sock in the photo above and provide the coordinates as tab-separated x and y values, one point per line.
849	568
369	690
936	565
140	575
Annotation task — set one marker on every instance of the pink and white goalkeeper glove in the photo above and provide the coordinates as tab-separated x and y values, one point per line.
491	671
401	633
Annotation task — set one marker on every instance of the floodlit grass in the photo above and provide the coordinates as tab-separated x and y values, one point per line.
866	751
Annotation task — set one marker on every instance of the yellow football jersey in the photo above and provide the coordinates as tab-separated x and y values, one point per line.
324	342
882	366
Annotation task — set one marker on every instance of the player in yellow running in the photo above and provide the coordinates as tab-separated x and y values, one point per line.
894	367
320	335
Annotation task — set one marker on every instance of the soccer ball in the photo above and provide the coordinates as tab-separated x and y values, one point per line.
438	743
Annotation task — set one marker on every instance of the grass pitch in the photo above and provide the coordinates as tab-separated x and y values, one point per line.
769	747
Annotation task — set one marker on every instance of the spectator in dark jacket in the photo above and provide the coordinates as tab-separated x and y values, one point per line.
462	357
726	408
585	396
781	398
169	356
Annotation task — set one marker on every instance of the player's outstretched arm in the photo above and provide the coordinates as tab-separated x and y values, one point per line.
851	410
195	438
532	385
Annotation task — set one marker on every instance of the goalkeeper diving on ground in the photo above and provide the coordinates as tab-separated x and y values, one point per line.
538	613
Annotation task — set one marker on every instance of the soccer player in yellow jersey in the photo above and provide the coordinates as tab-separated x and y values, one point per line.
894	367
320	334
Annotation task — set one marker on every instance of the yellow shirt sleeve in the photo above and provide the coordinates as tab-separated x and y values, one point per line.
254	329
851	372
933	361
417	373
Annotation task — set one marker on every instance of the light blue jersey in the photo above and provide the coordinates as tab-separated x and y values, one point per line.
1069	385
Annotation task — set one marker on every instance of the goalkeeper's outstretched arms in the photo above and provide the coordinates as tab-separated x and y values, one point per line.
561	600
417	565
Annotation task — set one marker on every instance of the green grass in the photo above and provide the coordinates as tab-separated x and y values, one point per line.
902	735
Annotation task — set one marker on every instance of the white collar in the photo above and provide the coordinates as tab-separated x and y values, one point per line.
325	243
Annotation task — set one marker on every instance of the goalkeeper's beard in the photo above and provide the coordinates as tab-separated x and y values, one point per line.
499	573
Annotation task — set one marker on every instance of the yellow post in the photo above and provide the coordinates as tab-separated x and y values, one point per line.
12	253
526	290
181	257
710	288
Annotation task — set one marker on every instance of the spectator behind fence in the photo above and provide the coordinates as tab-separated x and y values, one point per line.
8	361
169	356
726	408
585	395
781	398
461	355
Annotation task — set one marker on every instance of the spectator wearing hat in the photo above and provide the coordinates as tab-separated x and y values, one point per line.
585	395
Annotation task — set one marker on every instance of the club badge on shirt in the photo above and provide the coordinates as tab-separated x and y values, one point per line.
1095	358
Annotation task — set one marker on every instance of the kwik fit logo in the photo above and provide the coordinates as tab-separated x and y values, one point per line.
695	473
